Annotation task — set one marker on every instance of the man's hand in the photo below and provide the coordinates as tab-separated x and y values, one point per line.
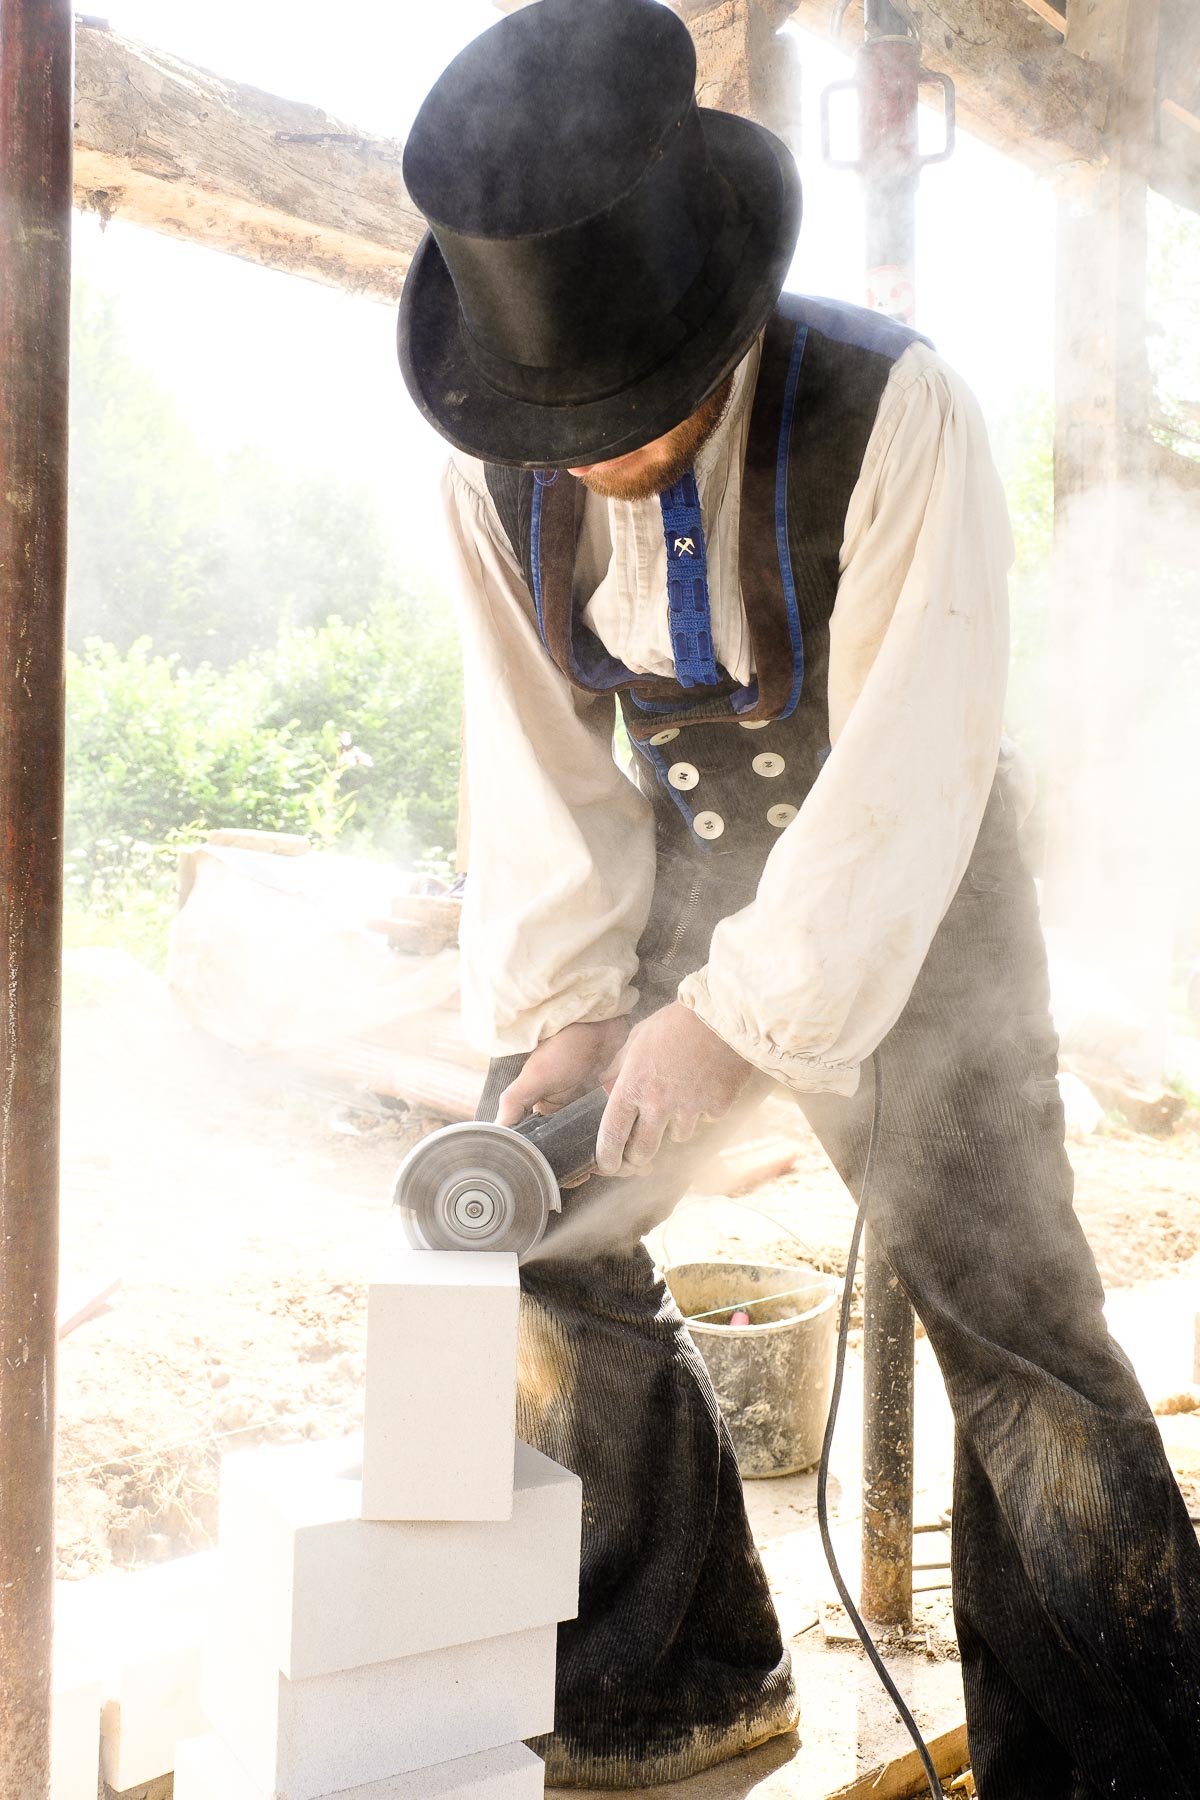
672	1074
563	1068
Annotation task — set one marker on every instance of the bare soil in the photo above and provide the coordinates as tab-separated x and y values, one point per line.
243	1226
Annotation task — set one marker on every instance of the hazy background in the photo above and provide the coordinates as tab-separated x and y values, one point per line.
258	611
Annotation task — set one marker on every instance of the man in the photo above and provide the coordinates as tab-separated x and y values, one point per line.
765	534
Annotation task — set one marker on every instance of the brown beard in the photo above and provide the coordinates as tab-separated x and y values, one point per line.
673	456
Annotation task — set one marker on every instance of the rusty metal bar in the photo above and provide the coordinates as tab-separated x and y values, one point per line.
36	101
888	80
887	1515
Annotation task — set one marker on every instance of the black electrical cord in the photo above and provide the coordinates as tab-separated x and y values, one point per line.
880	1667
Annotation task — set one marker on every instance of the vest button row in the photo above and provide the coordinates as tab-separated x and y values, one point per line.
683	775
711	825
672	731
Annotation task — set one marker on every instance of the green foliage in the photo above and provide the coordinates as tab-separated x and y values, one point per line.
1174	325
345	723
242	654
393	682
206	557
1023	446
120	894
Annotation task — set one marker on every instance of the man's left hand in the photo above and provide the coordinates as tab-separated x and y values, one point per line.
671	1075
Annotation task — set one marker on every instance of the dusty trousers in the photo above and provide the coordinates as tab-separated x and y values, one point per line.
1076	1572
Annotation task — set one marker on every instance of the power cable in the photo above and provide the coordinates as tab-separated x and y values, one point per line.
935	1787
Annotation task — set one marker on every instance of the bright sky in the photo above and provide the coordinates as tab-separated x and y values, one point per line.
255	356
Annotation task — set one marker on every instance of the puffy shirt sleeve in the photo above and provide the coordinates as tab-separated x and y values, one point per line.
806	980
561	863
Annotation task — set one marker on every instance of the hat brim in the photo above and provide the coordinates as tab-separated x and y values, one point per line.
475	417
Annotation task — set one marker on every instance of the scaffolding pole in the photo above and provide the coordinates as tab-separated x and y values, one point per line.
36	101
887	82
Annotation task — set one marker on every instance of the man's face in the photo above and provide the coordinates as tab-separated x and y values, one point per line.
658	465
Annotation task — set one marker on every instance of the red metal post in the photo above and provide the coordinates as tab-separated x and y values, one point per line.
36	105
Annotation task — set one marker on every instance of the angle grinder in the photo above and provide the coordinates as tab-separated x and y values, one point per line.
479	1186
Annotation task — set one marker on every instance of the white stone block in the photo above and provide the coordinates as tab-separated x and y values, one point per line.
206	1769
325	1589
74	1729
308	1739
145	1630
441	1387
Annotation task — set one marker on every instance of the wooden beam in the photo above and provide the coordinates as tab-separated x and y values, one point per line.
1051	14
1173	110
1020	87
172	147
1104	463
744	66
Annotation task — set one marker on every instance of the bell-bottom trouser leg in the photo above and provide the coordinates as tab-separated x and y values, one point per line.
675	1660
1076	1573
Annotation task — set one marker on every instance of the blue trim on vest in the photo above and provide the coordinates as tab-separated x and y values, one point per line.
535	551
689	619
856	325
781	520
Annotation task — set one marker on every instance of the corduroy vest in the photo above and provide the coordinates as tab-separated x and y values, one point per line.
727	768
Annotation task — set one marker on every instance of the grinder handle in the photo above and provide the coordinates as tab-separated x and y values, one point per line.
567	1139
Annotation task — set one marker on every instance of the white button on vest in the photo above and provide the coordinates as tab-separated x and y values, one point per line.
664	737
708	825
683	775
754	724
768	764
779	816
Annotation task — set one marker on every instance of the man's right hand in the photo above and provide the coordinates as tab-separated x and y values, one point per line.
562	1068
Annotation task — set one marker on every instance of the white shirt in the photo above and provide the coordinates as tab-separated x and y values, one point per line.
806	980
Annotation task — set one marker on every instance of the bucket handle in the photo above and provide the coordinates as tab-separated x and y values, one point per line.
732	1200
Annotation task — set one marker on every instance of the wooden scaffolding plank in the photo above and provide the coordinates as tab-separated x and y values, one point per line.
170	146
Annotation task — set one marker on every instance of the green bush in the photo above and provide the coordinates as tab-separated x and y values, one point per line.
345	732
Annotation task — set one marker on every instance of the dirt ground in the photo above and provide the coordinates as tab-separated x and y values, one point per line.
243	1226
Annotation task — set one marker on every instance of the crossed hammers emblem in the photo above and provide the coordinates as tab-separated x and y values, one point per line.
684	547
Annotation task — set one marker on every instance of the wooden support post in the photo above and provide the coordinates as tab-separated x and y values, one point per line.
1100	852
35	285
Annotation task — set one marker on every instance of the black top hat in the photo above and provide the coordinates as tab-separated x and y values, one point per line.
601	250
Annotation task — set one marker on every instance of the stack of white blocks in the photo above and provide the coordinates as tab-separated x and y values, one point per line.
386	1614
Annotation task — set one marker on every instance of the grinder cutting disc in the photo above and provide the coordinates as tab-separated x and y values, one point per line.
475	1187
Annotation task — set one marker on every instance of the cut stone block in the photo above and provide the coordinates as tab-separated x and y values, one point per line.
309	1739
324	1589
206	1769
74	1730
441	1387
144	1631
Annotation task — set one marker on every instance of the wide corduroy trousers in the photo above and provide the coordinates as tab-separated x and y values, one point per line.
1076	1572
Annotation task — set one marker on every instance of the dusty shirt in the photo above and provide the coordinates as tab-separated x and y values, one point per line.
806	980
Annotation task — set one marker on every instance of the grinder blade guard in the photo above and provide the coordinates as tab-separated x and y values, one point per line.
479	1186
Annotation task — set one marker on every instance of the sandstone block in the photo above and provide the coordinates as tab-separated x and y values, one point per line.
309	1739
144	1632
207	1770
439	1421
74	1730
325	1589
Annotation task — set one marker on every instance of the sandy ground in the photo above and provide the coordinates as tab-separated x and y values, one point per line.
242	1227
